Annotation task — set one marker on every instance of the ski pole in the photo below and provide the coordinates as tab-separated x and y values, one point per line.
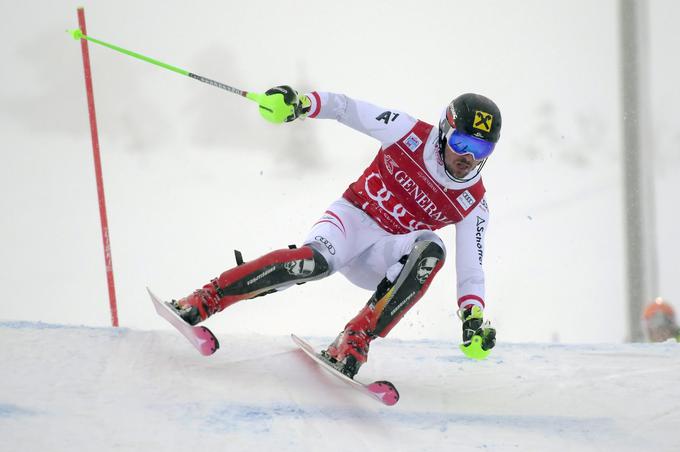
272	107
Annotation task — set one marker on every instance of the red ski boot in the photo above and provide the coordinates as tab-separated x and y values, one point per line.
350	349
198	306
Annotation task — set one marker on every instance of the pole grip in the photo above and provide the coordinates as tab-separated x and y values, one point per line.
98	170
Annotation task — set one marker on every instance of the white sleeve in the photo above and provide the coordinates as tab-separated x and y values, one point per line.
385	125
469	256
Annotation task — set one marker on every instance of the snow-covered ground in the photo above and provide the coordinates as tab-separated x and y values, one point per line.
191	172
69	388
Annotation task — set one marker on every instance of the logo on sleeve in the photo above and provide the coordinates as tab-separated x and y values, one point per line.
387	116
413	142
466	200
479	237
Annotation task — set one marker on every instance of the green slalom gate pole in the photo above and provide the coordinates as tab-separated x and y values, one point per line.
272	107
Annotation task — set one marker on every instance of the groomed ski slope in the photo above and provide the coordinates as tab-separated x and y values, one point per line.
67	388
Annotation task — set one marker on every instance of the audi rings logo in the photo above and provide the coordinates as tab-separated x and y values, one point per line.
326	243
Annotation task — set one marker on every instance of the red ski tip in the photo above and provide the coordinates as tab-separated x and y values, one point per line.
386	391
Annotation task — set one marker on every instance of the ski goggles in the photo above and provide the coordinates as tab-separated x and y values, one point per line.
462	143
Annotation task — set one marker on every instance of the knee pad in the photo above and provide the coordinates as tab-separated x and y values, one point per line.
429	236
269	272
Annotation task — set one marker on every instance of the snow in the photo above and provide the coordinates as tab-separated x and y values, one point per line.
191	172
67	388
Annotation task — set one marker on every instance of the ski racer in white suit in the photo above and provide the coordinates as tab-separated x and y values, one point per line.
379	234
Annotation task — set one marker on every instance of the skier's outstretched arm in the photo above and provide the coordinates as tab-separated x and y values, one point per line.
383	124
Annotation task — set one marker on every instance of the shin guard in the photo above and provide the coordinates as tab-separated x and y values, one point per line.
261	276
392	300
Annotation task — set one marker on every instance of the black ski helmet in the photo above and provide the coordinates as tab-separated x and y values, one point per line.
473	114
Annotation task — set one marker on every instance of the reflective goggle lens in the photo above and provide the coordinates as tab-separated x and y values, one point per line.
462	144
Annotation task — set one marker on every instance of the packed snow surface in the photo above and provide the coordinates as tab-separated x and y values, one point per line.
69	388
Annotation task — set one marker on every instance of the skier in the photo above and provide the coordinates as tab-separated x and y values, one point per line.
659	322
379	234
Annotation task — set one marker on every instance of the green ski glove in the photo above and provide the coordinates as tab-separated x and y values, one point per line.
283	104
478	336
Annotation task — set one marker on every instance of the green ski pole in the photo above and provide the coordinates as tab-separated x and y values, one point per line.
272	107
